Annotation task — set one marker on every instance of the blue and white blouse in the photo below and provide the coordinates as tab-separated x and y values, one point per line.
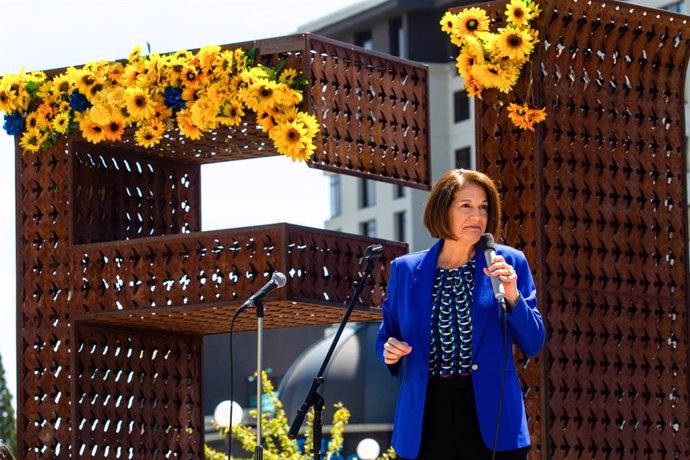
451	321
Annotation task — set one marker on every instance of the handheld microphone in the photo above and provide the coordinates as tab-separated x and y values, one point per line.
486	242
278	280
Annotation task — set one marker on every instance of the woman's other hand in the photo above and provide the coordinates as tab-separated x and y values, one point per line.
395	349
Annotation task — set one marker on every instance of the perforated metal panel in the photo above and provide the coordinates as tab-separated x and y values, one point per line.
117	285
597	200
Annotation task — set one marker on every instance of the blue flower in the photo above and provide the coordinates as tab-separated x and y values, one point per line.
14	124
172	97
78	102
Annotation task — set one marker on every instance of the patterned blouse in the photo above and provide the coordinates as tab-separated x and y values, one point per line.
451	321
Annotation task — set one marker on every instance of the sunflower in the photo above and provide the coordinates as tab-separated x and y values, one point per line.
519	13
288	76
266	121
470	21
536	115
286	96
207	56
61	85
190	76
32	140
91	131
535	9
223	67
135	54
204	113
60	123
473	87
309	122
291	139
13	96
449	22
140	104
518	116
148	136
114	130
241	59
491	75
232	114
31	121
115	72
184	123
513	43
260	95
83	80
130	74
467	59
151	74
100	114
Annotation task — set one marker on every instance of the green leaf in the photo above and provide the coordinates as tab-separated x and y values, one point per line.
280	67
299	81
251	55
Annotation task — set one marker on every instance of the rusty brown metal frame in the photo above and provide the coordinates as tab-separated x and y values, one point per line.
111	260
596	198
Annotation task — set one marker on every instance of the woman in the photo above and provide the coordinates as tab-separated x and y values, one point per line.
441	315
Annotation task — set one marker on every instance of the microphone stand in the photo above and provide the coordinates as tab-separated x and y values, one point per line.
314	399
259	450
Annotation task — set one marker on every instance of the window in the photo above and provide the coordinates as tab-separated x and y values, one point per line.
336	196
367	193
461	106
368	228
676	7
396	37
364	39
462	158
400	222
399	191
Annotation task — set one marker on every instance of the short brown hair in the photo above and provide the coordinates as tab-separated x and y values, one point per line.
436	218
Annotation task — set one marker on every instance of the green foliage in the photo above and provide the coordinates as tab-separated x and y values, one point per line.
8	426
275	441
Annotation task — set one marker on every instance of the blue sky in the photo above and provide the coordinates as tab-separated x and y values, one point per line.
46	34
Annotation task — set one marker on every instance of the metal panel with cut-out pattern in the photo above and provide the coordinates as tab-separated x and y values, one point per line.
597	200
116	283
136	395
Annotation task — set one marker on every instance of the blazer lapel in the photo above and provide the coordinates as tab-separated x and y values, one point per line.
484	303
423	290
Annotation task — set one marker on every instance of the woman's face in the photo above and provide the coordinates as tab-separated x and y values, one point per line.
469	213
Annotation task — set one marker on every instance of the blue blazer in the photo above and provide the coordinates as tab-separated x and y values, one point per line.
407	317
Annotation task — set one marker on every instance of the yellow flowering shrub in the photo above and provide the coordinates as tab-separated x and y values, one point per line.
192	92
494	60
275	441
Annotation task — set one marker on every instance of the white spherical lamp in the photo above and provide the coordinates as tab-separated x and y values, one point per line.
222	414
368	449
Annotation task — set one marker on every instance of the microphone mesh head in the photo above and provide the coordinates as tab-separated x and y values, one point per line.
279	279
486	241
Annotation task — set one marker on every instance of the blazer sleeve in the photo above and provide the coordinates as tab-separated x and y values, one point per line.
524	318
390	326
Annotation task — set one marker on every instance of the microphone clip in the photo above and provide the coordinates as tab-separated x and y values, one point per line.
373	251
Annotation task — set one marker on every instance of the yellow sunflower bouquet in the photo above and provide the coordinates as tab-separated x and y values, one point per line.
494	60
193	92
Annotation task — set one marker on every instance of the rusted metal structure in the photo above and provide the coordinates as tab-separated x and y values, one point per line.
596	198
117	284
